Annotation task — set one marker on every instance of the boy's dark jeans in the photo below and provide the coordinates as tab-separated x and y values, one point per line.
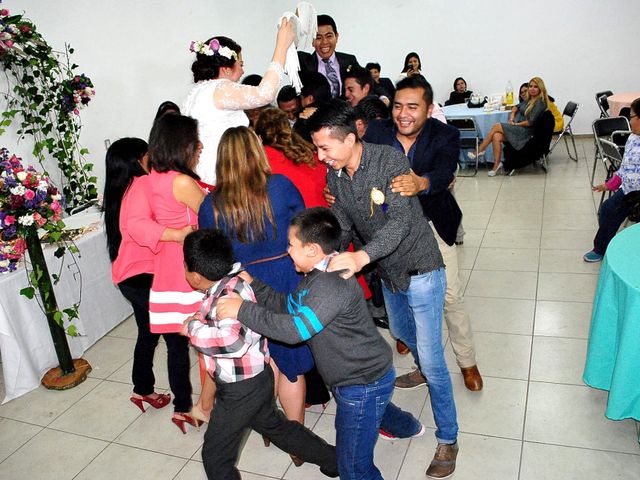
251	404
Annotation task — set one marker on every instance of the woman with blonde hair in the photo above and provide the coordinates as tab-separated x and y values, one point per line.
519	129
292	156
254	208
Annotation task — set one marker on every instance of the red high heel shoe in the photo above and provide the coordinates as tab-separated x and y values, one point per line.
162	400
181	418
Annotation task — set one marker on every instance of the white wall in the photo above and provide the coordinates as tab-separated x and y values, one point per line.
137	54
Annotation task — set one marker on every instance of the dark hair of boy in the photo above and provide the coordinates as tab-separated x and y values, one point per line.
417	81
318	225
316	85
371	108
252	80
372	65
362	76
286	94
209	253
336	115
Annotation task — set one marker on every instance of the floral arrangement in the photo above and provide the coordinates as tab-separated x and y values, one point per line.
76	93
43	99
212	48
27	198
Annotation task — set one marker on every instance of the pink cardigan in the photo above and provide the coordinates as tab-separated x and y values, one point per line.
135	258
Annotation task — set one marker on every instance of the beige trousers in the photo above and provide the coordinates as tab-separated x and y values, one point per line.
455	314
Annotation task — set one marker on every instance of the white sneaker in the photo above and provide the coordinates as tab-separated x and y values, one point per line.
492	173
472	156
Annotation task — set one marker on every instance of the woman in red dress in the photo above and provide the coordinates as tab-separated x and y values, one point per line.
292	156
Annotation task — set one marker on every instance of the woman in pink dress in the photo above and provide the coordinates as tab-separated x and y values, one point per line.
125	203
174	197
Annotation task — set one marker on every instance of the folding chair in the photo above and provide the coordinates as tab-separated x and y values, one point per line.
603	104
570	111
613	159
605	128
470	137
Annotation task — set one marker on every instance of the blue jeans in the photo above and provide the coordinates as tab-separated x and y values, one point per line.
612	214
415	317
359	412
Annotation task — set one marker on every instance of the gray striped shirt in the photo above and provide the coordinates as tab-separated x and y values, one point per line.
395	233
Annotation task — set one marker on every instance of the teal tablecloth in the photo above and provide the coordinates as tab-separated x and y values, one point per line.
613	355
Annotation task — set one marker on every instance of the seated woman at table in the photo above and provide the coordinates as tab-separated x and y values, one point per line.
626	180
132	264
460	93
519	129
523	93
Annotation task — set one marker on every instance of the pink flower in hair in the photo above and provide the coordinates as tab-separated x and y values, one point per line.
214	45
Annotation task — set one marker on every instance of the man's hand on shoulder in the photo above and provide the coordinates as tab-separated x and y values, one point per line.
228	306
409	184
352	262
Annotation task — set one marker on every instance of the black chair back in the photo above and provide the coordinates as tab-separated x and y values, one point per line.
604	127
626	112
570	109
603	104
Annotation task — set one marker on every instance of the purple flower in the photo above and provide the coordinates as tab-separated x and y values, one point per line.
10	232
214	45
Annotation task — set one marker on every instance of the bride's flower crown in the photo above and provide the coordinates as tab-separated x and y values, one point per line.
212	48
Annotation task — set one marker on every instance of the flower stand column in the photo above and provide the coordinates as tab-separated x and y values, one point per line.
70	372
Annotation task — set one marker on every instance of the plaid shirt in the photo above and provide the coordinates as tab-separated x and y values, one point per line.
232	352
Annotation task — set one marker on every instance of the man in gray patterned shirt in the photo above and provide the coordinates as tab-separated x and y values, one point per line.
396	236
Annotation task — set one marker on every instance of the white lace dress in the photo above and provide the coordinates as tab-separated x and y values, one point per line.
218	105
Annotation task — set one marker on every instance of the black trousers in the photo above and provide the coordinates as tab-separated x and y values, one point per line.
250	404
136	291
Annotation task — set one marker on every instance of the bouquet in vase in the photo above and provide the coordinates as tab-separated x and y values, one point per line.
27	200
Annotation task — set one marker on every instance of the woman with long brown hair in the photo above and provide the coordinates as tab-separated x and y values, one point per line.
292	156
254	207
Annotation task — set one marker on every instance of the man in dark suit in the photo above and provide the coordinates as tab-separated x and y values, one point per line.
333	65
433	148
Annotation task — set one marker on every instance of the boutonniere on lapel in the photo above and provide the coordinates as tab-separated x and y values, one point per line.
377	198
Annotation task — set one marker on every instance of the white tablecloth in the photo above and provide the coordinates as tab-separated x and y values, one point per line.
484	121
25	342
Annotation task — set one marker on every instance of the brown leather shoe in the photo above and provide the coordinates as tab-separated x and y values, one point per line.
410	380
472	378
444	461
402	348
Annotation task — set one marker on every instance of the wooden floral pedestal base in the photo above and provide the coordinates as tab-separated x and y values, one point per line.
55	380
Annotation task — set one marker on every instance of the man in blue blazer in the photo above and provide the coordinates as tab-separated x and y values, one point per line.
326	60
433	148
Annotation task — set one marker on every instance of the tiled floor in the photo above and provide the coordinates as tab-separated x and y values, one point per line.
529	295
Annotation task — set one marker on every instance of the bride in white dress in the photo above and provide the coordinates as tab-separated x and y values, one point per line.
217	100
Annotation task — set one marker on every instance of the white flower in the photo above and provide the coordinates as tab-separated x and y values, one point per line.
21	176
18	190
227	52
42	185
4	263
89	92
26	220
5	36
57	197
377	196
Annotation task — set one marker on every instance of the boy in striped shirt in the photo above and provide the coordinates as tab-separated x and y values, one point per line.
238	360
331	314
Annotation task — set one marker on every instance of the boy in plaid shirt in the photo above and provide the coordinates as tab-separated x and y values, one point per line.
238	360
